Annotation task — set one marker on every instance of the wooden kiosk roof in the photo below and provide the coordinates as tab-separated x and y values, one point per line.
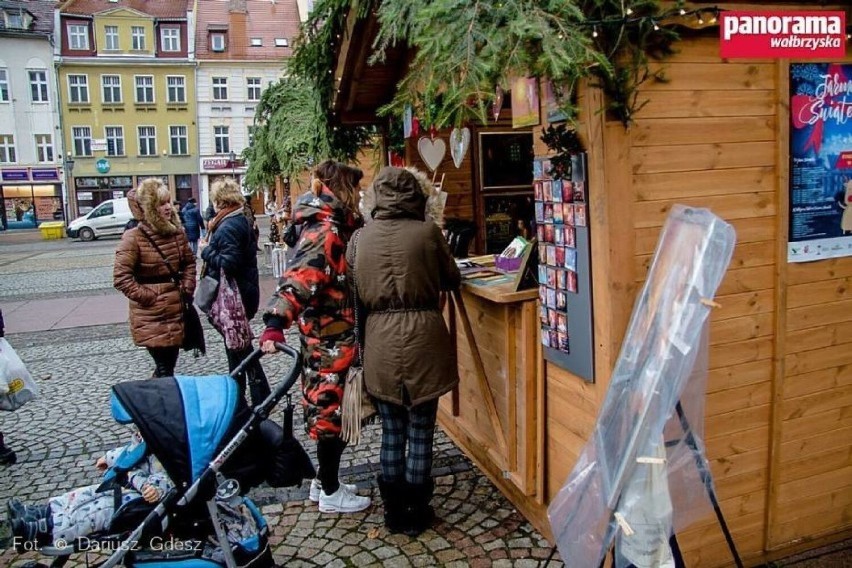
364	87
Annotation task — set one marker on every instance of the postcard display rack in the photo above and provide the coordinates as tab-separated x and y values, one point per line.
564	270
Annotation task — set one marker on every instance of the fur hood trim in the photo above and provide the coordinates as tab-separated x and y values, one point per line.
148	200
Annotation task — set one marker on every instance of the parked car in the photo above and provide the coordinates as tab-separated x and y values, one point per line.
108	218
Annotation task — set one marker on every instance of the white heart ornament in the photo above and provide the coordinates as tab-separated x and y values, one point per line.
459	143
432	151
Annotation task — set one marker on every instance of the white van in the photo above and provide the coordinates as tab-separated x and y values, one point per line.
108	218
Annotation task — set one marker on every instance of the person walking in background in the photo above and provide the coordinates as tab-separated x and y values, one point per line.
401	264
231	248
7	456
155	269
315	293
193	223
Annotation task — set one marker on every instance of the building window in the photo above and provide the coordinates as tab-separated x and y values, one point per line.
4	85
217	42
14	19
78	88
7	149
253	88
147	141
111	85
111	35
82	138
281	42
221	139
38	86
137	33
256	42
220	88
144	89
115	140
176	88
179	140
78	36
44	148
170	39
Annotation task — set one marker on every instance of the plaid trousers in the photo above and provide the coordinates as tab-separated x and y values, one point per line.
414	427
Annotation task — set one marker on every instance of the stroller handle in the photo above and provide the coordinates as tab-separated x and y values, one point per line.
278	393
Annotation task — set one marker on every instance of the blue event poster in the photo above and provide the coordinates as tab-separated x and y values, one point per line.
820	161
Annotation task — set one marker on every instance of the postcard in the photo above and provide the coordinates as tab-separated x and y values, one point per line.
562	338
547	190
556	190
580	214
551	301
561	300
560	255
561	322
559	235
539	212
572	281
570	259
539	233
549	233
551	277
567	191
538	173
551	255
579	191
570	237
548	212
560	280
568	214
557	213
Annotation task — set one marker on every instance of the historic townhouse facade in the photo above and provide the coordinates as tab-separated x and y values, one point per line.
126	74
240	46
30	144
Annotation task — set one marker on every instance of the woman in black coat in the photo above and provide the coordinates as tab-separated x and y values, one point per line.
232	247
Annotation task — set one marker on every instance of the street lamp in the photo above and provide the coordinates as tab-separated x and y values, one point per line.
68	166
233	157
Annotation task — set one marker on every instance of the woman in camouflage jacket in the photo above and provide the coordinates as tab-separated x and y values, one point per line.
314	291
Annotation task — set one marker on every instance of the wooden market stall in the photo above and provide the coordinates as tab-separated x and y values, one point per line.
778	432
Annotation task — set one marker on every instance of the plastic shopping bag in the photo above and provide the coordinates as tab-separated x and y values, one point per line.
16	384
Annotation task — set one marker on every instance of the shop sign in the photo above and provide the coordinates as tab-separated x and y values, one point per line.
102	165
44	174
99	144
215	163
84	196
16	175
208	164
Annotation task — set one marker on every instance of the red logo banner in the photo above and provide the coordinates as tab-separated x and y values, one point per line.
800	34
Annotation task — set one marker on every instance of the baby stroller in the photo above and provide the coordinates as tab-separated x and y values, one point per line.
214	449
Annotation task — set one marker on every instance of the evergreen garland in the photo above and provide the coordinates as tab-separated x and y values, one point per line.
462	50
294	129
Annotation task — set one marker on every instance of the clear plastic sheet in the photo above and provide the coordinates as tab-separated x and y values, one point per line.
618	476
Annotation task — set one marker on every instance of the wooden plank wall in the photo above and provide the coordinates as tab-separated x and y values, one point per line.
715	136
708	138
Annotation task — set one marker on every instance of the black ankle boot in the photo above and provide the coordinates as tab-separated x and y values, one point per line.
419	513
394	501
7	456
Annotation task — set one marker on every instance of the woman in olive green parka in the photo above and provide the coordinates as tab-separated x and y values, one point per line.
402	265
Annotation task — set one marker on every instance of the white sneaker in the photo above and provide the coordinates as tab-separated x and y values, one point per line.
342	501
316	487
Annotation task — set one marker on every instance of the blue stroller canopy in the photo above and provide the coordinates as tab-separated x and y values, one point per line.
183	420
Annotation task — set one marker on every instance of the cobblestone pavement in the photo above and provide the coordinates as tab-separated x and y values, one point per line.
59	436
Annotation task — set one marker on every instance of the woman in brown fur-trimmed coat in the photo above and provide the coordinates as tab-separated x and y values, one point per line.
141	274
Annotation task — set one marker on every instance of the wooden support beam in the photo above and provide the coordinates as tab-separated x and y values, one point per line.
482	378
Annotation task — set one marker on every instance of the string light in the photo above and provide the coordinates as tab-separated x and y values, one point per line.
629	11
682	12
595	32
700	19
656	26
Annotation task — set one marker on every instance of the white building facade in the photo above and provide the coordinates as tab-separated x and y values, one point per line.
241	47
228	94
31	175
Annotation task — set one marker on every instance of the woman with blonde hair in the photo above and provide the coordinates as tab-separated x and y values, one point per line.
314	292
155	269
232	249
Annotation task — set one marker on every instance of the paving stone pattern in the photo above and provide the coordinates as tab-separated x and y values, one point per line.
59	436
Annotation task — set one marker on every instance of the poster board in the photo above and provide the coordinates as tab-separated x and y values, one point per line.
820	161
564	268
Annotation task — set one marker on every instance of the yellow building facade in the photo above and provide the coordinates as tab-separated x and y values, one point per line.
127	93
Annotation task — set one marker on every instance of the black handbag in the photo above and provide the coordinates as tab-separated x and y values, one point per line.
193	333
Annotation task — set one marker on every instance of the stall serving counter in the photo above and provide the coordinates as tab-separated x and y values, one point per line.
496	411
